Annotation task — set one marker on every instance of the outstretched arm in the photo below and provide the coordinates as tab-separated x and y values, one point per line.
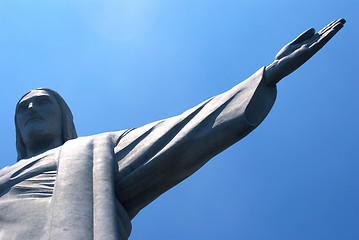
157	156
297	52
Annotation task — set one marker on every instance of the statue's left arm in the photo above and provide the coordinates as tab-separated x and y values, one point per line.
157	156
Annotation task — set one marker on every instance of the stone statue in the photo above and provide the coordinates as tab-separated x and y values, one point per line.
65	187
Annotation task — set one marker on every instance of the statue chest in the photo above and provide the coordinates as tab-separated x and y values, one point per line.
30	178
26	189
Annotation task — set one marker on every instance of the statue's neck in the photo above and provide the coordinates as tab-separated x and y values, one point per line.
42	146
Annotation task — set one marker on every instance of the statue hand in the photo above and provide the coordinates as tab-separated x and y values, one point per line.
297	52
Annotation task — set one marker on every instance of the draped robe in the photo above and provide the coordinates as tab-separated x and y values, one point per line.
91	187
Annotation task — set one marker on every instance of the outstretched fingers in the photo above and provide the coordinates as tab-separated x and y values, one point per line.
326	34
324	29
309	37
304	36
330	25
297	52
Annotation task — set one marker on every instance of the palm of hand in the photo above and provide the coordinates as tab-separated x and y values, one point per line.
297	52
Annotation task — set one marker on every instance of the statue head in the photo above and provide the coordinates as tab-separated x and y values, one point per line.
43	120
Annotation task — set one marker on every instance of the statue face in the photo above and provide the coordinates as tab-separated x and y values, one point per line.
39	118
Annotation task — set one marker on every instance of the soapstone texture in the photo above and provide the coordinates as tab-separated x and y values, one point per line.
69	187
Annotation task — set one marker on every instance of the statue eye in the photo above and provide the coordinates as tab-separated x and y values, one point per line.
44	100
21	108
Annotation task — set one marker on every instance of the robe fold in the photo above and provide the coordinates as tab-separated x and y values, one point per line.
91	187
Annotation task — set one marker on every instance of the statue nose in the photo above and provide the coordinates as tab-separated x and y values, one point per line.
31	107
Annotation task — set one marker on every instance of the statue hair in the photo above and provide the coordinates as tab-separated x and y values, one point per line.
68	126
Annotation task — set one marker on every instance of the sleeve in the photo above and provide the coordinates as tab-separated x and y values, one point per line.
159	155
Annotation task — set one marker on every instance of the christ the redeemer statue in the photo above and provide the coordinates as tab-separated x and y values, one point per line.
72	188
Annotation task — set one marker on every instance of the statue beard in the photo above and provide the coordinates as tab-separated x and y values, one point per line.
40	141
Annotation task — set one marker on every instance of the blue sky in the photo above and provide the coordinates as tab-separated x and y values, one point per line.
122	64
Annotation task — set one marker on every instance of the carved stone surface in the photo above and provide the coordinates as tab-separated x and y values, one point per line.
69	187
